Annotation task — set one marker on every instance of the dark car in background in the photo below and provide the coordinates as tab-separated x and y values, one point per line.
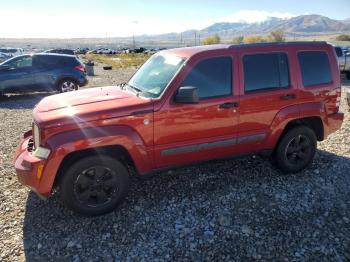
60	51
42	72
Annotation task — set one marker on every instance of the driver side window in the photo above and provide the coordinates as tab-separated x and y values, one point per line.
212	77
21	62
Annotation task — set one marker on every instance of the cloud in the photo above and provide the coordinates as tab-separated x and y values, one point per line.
254	16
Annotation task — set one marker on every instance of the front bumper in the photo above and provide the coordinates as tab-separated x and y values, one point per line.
29	168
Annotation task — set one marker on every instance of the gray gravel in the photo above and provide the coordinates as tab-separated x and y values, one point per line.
239	209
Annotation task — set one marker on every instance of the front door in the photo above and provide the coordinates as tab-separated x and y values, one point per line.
19	76
186	133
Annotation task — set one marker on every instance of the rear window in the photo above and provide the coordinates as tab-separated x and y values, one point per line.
315	68
265	72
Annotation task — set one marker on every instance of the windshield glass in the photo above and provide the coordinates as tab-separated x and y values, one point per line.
154	75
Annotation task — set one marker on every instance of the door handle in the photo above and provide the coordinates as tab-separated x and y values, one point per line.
288	96
229	105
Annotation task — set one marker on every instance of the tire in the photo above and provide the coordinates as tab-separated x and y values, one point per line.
296	149
67	85
94	185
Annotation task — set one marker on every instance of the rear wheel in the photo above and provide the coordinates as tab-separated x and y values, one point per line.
67	85
296	149
95	185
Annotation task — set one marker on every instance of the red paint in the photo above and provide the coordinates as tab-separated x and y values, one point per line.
109	116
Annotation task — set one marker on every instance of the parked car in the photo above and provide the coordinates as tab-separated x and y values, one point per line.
60	51
343	61
4	57
11	51
181	107
81	51
39	72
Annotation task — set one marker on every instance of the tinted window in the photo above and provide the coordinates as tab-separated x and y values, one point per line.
70	61
315	68
20	62
45	61
265	71
212	77
338	51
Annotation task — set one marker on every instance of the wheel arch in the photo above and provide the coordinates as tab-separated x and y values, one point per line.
115	151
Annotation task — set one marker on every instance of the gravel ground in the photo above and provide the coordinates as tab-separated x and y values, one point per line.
239	209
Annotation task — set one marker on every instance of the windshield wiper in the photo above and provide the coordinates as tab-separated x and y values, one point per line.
138	90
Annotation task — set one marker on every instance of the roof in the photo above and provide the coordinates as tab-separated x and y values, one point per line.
190	51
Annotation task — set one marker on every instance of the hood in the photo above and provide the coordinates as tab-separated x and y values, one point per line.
88	105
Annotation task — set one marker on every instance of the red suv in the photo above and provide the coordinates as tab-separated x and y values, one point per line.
183	106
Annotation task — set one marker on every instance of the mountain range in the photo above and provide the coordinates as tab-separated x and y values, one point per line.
303	25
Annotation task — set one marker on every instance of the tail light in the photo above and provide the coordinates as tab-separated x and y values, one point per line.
80	68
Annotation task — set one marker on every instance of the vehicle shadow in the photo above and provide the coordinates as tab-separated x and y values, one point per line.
22	101
176	208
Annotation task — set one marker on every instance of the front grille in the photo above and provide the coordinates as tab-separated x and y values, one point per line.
30	146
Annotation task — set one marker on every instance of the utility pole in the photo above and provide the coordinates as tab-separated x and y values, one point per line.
133	36
199	39
195	38
181	39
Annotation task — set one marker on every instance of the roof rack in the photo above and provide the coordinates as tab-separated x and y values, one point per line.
278	43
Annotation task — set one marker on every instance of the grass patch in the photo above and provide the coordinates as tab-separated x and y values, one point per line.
119	60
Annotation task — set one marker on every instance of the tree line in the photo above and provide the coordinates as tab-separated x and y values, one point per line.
274	36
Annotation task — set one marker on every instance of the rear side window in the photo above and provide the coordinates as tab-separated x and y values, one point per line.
212	77
43	61
315	68
265	72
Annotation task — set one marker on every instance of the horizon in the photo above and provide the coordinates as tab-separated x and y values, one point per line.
117	19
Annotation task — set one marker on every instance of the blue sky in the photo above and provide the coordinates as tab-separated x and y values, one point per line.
78	18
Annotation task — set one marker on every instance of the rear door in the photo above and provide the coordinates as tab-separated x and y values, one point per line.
45	75
266	88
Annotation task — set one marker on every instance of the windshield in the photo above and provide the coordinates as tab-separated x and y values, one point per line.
154	75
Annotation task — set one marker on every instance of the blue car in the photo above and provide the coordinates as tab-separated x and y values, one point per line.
42	72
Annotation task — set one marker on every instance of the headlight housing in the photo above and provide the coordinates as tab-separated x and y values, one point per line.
36	135
39	151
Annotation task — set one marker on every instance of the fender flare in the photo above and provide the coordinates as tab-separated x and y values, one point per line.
290	113
77	140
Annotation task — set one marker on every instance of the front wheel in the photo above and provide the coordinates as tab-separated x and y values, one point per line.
296	149
95	185
67	85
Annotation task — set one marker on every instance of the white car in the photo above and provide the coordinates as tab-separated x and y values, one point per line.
11	51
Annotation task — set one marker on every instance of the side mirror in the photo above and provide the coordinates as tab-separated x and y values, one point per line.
187	95
4	67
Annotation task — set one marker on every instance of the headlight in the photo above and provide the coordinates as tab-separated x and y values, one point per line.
40	152
36	135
